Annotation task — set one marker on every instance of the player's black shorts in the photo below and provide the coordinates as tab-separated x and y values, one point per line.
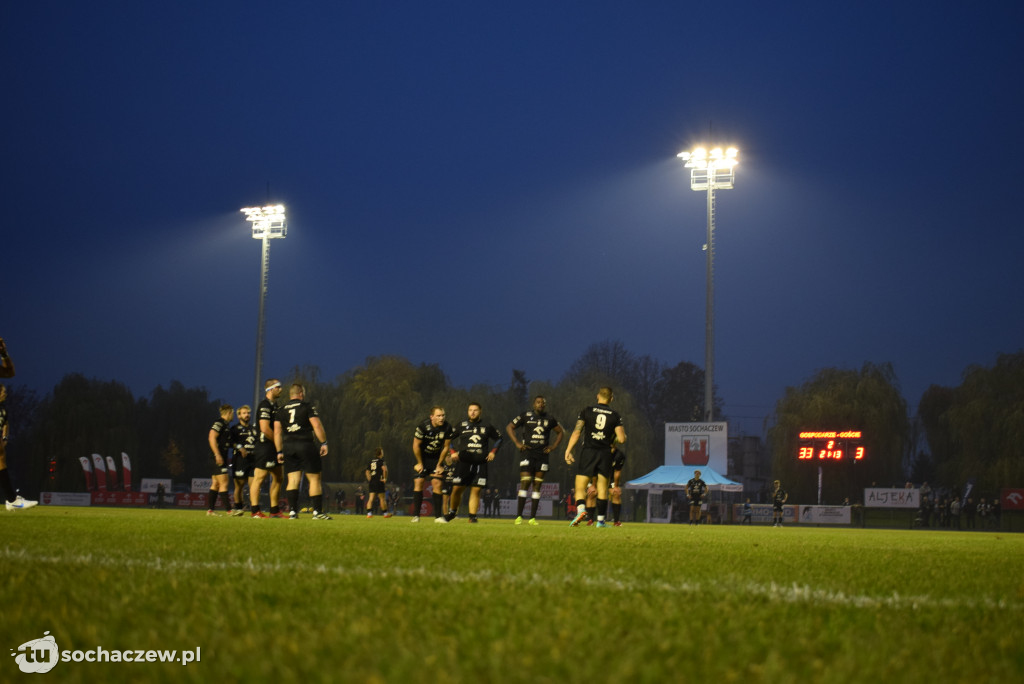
777	507
242	468
534	462
302	456
265	459
446	479
470	474
376	487
429	463
595	461
219	469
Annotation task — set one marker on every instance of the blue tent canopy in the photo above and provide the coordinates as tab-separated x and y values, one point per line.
676	477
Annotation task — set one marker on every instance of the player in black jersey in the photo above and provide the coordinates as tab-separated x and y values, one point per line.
220	439
296	425
265	454
14	501
243	442
779	497
430	444
474	446
534	448
376	473
696	490
600	428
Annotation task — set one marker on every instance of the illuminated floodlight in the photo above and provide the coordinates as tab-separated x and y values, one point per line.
710	171
267	222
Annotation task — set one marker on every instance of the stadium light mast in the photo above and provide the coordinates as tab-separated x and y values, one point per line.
267	223
710	171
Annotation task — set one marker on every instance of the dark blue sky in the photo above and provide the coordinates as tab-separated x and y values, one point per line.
491	186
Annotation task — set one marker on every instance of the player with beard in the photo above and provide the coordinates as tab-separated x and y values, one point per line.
243	458
478	443
600	429
296	424
220	440
265	454
430	443
534	448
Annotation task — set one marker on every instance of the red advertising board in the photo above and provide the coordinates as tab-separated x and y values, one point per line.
119	499
1012	499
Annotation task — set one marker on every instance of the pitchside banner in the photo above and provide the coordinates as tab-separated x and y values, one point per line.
764	513
825	515
151	484
698	444
881	497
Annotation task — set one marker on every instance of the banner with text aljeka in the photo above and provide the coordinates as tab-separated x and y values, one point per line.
698	444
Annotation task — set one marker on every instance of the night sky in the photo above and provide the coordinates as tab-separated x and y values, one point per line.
490	186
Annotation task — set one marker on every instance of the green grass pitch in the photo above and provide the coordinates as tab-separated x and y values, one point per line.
386	600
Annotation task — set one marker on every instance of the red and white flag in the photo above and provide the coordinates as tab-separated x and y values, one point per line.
87	468
126	472
111	474
101	472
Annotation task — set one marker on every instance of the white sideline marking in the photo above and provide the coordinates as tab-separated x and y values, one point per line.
793	593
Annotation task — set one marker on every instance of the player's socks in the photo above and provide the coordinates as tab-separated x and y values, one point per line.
274	510
255	509
318	503
534	502
292	496
520	503
602	509
616	511
211	499
417	502
6	487
225	500
438	501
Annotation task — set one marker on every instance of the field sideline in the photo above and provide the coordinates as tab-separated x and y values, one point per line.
391	601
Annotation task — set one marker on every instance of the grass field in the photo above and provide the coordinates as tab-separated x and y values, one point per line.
357	600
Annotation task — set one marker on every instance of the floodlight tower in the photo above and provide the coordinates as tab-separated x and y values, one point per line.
710	171
267	223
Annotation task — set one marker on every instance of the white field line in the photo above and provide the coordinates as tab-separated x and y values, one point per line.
726	587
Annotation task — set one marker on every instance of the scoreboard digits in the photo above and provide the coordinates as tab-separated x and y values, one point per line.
830	446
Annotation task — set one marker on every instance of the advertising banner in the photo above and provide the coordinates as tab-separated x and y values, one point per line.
111	473
825	515
101	472
150	484
87	468
190	500
762	513
894	497
119	499
1012	499
65	498
126	472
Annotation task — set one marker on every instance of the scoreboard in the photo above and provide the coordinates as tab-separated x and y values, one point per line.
830	446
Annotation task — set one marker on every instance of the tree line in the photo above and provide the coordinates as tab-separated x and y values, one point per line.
973	432
376	404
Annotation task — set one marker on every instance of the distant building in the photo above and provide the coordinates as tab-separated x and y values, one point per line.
750	463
